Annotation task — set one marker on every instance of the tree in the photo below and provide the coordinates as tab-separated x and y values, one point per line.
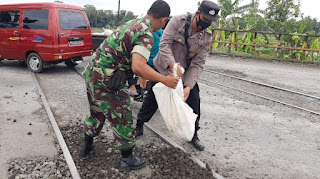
128	16
92	14
315	24
230	12
279	12
107	18
252	18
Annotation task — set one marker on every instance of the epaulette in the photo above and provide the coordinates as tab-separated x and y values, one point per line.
208	31
181	17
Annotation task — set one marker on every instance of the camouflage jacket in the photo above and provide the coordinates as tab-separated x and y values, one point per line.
115	52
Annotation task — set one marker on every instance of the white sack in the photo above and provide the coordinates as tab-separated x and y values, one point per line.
177	114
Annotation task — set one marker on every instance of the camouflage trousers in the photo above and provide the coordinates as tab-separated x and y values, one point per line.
107	104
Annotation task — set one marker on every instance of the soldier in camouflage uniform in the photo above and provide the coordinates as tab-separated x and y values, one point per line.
123	53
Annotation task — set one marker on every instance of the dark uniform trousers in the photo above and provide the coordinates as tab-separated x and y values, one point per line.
150	106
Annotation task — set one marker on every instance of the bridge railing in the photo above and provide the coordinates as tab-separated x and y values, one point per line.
267	45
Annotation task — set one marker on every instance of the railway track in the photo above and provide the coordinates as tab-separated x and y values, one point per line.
67	154
71	164
294	99
170	141
50	78
243	86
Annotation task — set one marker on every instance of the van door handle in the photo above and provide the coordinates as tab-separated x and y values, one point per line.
62	33
15	32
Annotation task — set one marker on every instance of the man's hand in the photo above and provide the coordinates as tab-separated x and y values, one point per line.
186	92
170	81
178	69
142	82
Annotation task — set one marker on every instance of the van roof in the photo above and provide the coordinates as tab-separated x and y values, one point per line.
40	5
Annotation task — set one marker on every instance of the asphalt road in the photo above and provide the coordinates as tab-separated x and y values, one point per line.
245	137
248	137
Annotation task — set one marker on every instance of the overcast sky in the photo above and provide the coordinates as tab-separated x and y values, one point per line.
140	7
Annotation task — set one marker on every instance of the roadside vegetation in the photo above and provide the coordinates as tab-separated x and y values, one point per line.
281	31
107	19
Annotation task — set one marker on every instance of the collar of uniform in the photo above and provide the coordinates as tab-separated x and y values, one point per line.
207	30
148	21
191	32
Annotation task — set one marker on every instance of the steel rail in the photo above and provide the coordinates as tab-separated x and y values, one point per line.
270	99
169	141
264	84
66	153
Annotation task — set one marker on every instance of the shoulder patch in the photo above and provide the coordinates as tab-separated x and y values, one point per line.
208	31
181	17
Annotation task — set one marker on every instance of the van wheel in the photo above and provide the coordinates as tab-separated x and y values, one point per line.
35	63
71	63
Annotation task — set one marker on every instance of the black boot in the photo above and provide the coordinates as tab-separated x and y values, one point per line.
129	161
87	146
197	143
139	129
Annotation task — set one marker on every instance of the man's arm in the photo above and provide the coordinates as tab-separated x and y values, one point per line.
196	67
140	67
194	71
165	51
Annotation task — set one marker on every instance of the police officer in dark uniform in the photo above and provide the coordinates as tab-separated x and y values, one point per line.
186	40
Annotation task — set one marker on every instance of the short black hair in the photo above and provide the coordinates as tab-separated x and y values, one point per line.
167	22
159	9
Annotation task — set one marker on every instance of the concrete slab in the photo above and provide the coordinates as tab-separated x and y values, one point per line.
25	129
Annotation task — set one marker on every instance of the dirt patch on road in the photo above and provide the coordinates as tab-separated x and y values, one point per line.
163	161
229	72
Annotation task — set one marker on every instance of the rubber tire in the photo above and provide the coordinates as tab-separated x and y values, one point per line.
71	63
37	65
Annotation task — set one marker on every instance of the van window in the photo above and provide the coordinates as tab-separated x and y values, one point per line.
9	19
35	19
72	20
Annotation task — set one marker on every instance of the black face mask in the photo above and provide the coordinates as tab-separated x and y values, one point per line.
201	23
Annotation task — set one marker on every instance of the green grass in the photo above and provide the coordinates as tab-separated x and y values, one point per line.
96	30
220	50
267	56
272	40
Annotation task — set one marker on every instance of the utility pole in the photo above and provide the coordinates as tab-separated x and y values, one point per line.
118	13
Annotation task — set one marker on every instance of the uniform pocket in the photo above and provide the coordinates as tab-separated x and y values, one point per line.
178	38
179	47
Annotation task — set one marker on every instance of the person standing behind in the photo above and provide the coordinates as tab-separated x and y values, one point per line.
157	36
123	53
190	53
154	52
135	90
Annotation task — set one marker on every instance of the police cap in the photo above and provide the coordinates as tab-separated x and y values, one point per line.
209	10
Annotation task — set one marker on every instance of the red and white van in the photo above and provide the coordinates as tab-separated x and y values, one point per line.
44	33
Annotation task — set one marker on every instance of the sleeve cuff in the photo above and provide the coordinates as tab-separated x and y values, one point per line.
142	51
190	84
